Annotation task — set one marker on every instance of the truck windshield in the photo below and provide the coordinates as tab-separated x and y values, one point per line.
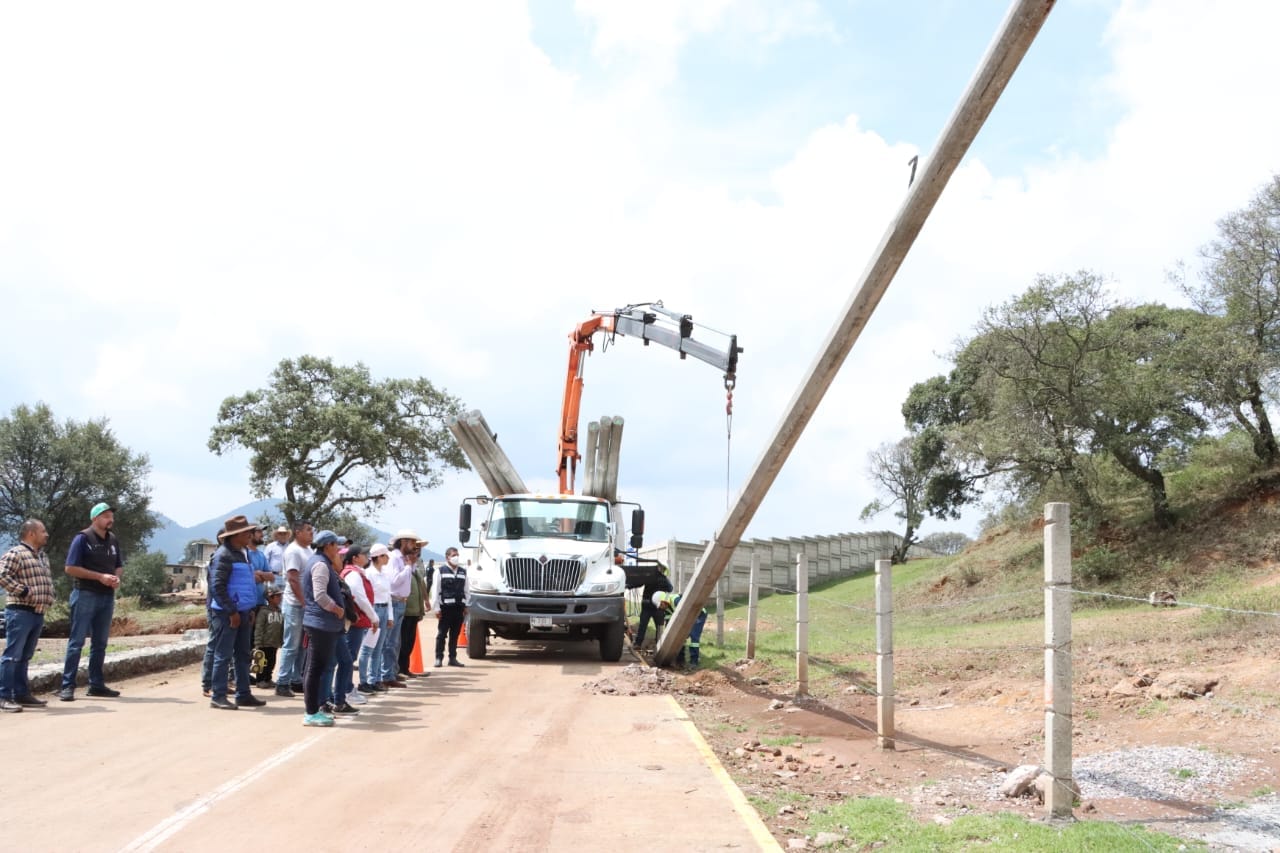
528	517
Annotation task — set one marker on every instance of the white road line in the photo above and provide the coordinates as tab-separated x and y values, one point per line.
167	828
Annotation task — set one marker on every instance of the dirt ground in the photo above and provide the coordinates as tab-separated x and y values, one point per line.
961	728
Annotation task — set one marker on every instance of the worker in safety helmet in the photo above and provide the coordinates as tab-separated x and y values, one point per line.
649	610
666	602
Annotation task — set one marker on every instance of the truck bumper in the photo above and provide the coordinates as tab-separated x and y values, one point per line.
564	611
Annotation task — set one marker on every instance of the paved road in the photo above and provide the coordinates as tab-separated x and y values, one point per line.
508	753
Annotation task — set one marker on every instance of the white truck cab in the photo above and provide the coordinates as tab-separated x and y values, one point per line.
550	567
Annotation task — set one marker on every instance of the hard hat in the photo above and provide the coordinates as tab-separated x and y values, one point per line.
658	598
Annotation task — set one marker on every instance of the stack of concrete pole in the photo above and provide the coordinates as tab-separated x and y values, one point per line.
600	461
490	461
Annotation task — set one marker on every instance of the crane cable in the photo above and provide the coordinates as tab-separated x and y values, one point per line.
729	384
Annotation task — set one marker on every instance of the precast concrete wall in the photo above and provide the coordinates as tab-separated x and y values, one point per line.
830	557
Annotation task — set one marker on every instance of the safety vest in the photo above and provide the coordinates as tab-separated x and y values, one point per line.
453	586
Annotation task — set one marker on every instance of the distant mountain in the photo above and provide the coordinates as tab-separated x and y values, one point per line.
172	538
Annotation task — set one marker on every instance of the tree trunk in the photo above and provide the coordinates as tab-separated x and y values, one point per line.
899	555
1264	439
1154	478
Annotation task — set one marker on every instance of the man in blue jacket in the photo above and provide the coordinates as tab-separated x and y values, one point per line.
233	587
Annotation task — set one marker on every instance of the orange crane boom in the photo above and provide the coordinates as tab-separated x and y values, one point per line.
650	322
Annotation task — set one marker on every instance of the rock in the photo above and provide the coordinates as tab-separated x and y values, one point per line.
1019	780
827	839
786	810
757	681
1044	780
740	752
942	820
1183	685
1126	688
797	844
777	705
1088	808
790	710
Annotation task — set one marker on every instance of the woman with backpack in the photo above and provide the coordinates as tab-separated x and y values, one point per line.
322	620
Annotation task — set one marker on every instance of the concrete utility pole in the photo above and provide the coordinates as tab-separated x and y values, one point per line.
1016	33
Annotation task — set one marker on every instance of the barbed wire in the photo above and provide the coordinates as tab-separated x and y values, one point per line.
1201	606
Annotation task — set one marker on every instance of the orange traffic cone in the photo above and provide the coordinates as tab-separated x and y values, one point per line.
415	656
462	634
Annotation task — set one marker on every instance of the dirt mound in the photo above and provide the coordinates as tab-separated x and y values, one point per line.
633	680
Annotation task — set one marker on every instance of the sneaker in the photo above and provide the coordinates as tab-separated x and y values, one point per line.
345	709
355	697
322	720
327	708
207	691
222	703
283	690
296	687
380	687
30	701
8	706
265	684
249	702
103	692
368	689
439	661
456	662
67	694
395	684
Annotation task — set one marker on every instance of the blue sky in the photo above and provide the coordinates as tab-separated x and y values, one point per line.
185	193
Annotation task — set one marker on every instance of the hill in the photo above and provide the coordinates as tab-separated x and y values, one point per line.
172	538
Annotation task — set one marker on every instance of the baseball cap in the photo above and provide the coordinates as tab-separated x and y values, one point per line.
327	537
378	550
99	509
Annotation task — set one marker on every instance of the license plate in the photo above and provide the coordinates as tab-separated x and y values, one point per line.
539	621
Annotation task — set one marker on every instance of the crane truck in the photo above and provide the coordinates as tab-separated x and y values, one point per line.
552	566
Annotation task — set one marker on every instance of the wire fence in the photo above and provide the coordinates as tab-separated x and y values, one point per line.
853	649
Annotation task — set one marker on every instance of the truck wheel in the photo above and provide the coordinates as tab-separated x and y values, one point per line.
611	641
477	638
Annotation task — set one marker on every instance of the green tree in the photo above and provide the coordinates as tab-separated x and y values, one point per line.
946	542
56	471
145	576
1052	379
901	485
1240	282
337	439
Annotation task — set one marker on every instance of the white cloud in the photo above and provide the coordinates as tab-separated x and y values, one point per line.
195	195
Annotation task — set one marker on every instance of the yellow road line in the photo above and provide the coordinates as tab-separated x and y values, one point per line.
739	800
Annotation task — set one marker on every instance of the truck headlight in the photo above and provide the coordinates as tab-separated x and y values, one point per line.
482	584
609	588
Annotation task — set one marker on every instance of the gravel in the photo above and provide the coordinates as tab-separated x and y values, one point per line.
1156	773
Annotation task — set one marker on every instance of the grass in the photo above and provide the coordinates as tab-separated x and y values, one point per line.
768	805
868	821
1183	773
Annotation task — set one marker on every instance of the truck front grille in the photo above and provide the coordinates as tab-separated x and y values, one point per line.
533	574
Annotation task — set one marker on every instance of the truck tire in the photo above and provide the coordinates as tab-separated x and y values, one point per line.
477	638
611	641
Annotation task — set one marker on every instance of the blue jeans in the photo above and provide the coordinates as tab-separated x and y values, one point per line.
231	646
371	658
91	613
694	643
391	644
290	671
337	678
21	633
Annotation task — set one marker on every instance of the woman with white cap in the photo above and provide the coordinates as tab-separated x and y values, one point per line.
371	649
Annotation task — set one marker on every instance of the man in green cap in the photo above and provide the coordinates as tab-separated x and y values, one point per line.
94	561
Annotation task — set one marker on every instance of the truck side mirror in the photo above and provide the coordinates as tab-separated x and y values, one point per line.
637	528
464	523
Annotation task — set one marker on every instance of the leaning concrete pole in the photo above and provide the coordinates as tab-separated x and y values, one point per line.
1016	33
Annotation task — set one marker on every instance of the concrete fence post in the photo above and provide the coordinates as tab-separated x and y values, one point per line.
753	603
802	625
884	655
1057	658
720	611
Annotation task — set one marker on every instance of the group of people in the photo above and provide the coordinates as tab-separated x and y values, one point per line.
94	562
310	607
326	612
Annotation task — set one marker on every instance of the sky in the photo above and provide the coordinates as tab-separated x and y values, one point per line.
191	193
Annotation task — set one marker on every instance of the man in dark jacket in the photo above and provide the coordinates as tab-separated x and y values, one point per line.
648	610
233	588
94	561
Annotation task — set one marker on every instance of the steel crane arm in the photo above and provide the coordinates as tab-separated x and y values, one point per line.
651	323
